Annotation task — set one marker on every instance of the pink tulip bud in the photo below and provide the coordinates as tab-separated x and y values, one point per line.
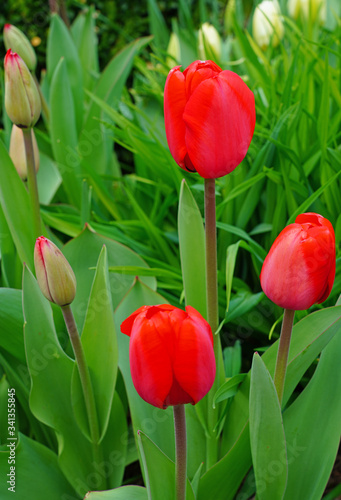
22	100
55	276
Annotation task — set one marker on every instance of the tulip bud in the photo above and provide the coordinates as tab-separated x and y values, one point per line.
55	276
22	100
173	50
209	42
171	354
316	10
17	151
299	269
267	25
15	40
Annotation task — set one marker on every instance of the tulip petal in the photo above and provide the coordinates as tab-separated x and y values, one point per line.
150	362
174	105
194	363
197	72
220	120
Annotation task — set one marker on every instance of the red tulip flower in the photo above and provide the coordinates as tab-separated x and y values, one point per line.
171	354
210	118
299	270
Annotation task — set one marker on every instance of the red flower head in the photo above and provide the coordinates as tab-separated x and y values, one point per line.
299	270
210	118
171	354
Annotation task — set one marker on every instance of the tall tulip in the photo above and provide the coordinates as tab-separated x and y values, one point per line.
23	106
172	363
209	118
171	354
298	271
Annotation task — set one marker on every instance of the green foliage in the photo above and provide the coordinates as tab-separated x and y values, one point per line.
107	178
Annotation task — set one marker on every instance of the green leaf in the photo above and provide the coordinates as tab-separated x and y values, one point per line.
87	49
61	45
11	266
30	457
83	264
51	370
241	303
221	482
95	142
64	133
11	323
313	427
99	342
17	209
267	437
229	388
309	337
313	197
115	444
123	493
159	471
192	250
48	179
157	25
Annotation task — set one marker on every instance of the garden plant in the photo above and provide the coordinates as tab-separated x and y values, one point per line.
170	229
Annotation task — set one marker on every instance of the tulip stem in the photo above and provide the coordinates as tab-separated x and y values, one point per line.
283	352
180	451
211	255
88	392
212	312
32	181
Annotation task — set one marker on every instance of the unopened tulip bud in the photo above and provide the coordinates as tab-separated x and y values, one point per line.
308	9
209	42
22	100
173	50
267	25
17	151
55	276
15	40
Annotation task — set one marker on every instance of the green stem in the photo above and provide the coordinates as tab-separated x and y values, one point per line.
283	352
180	451
32	181
211	255
212	311
88	392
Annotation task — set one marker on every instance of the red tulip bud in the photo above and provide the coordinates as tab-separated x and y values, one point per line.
22	100
299	270
209	117
171	354
55	276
